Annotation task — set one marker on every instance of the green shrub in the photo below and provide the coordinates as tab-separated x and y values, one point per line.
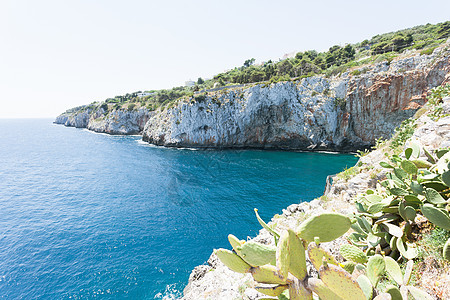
131	106
403	133
200	98
427	51
437	94
339	103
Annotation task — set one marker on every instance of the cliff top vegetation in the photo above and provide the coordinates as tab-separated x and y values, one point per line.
338	59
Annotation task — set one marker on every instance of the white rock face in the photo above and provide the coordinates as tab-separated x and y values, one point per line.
216	281
317	113
346	112
114	122
120	122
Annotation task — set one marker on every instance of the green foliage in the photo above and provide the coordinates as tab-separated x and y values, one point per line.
438	93
428	51
417	37
327	227
403	133
435	100
335	61
386	216
348	173
104	106
131	106
288	272
339	103
200	98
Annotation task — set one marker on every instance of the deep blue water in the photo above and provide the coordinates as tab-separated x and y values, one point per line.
86	215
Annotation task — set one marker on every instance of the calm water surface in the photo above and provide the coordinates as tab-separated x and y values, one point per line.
86	215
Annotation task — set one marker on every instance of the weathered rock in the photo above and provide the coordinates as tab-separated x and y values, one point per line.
120	122
79	120
432	134
317	113
114	122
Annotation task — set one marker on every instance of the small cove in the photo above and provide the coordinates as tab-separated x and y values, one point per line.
92	215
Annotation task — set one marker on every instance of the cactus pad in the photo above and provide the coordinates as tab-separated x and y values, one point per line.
318	287
232	261
348	266
317	254
418	294
365	285
257	254
341	283
436	216
235	242
353	253
297	264
434	197
273	291
267	274
267	227
283	254
446	251
327	226
446	178
408	272
375	268
393	269
394	292
409	167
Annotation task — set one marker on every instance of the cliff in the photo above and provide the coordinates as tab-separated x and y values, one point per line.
216	281
100	120
348	112
342	113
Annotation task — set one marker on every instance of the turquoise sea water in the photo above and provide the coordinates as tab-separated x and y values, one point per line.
86	215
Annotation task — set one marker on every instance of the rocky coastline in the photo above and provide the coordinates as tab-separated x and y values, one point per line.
342	113
215	281
117	122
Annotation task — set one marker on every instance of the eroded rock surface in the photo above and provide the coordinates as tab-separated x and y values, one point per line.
114	122
317	113
219	282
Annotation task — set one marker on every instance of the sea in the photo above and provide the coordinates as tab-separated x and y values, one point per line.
95	216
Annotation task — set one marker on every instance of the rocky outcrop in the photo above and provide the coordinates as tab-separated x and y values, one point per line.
120	122
216	281
113	122
78	120
348	112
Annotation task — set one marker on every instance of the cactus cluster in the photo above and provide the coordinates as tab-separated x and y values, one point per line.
382	231
386	216
281	270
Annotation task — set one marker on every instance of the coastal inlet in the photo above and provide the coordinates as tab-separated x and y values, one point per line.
86	215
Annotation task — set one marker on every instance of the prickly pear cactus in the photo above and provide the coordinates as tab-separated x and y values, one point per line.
340	282
283	268
446	251
326	226
353	253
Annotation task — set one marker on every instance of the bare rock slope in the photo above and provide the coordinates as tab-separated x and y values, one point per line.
342	113
216	281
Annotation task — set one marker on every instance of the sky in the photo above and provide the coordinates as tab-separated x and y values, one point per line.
55	55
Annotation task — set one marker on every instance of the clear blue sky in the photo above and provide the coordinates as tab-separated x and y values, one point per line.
58	54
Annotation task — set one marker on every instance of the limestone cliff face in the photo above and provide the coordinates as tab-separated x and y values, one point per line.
114	122
78	120
216	281
316	113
